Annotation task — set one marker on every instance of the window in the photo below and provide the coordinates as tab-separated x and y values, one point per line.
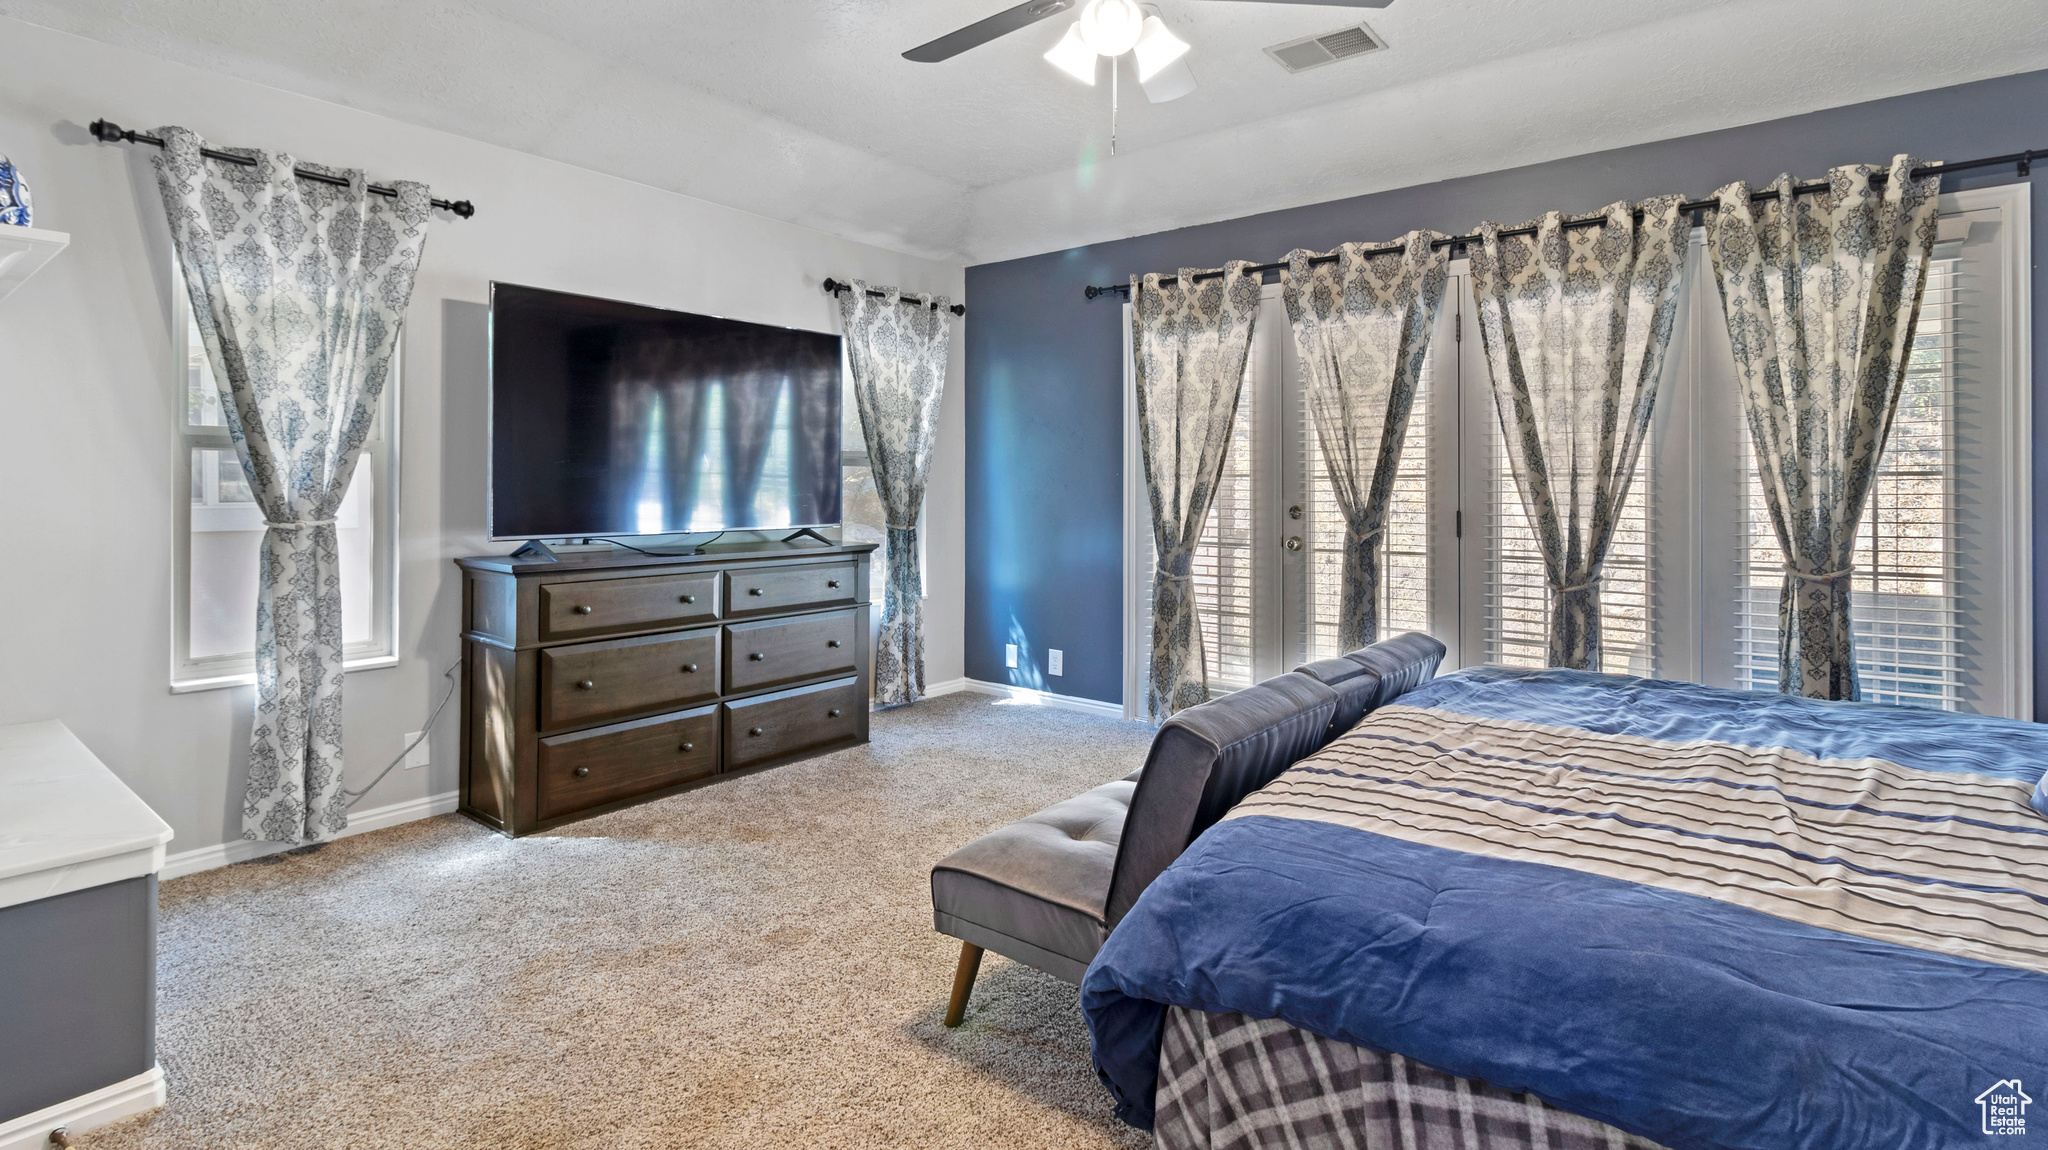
1690	586
1933	578
220	535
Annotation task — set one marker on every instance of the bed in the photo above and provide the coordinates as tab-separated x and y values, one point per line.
1552	908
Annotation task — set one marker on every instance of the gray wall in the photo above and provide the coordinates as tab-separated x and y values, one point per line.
1044	373
77	993
88	448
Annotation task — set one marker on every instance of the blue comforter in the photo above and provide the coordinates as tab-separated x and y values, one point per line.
1555	882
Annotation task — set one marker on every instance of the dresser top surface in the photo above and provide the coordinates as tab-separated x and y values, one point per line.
622	559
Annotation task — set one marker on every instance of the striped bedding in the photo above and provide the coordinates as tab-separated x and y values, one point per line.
1706	918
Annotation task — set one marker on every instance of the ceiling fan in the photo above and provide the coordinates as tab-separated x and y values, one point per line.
1105	28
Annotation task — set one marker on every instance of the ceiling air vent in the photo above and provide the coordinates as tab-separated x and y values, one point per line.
1328	48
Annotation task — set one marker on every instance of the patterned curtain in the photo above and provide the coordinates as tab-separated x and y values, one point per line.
896	345
298	289
1822	293
1362	325
1575	322
1190	340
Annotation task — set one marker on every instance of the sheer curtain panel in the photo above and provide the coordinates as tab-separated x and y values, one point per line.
1361	325
298	289
896	348
1574	322
1822	294
1189	340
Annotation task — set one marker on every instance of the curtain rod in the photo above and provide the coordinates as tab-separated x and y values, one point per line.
108	132
2024	160
834	287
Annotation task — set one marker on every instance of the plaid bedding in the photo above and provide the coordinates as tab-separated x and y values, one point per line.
1229	1082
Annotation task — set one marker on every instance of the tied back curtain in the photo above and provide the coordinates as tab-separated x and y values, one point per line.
1189	340
896	347
1575	323
1362	325
298	289
1822	293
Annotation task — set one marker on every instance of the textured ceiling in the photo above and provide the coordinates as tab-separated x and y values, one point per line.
804	110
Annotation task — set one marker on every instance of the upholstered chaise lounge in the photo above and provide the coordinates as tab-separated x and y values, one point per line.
1047	890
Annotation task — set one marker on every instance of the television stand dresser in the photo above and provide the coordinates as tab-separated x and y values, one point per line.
596	682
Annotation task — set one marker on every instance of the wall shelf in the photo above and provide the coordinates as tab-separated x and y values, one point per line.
23	252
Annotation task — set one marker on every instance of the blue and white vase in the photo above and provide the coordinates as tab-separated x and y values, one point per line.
15	207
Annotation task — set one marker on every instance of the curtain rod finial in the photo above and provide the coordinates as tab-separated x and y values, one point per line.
107	131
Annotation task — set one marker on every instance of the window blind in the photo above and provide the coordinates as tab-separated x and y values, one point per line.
1404	544
1911	629
1517	598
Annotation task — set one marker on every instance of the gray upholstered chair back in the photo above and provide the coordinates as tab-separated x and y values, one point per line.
1402	663
1357	687
1203	761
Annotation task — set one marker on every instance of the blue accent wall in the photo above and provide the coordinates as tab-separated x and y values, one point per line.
1044	374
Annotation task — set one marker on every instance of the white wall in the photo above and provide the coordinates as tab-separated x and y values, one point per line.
87	441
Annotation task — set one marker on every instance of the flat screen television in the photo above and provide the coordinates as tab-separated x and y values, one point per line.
611	418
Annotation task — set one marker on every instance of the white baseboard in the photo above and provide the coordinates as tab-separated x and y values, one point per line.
359	822
134	1095
1028	696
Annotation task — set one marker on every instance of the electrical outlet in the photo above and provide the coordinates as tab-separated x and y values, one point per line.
417	757
1010	656
1055	662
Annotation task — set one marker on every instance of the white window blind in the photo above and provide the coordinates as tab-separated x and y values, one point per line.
1910	623
1223	566
1404	543
1518	595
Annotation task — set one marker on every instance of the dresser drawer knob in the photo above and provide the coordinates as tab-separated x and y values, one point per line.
831	642
689	598
582	772
753	590
582	610
831	582
689	668
587	685
688	747
753	730
833	713
755	657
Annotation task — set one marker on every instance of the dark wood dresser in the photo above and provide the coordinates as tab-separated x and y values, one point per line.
595	683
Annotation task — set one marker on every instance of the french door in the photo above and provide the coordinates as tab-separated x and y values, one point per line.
1266	576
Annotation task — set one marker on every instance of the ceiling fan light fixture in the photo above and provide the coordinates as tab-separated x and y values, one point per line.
1157	47
1073	56
1111	27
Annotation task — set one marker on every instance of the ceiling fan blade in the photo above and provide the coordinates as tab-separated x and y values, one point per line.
1325	3
982	31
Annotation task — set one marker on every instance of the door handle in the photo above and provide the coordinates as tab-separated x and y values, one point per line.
1294	542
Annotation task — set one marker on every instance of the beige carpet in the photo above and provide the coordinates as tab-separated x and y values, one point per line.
749	964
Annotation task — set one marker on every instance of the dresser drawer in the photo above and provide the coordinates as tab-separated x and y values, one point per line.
789	722
604	606
592	682
788	650
588	768
788	588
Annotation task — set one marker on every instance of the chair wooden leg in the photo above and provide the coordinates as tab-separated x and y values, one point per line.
963	982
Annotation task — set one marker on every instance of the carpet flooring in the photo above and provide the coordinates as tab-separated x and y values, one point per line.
747	964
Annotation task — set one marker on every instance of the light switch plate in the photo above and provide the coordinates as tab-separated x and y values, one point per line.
417	757
1010	655
1055	662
